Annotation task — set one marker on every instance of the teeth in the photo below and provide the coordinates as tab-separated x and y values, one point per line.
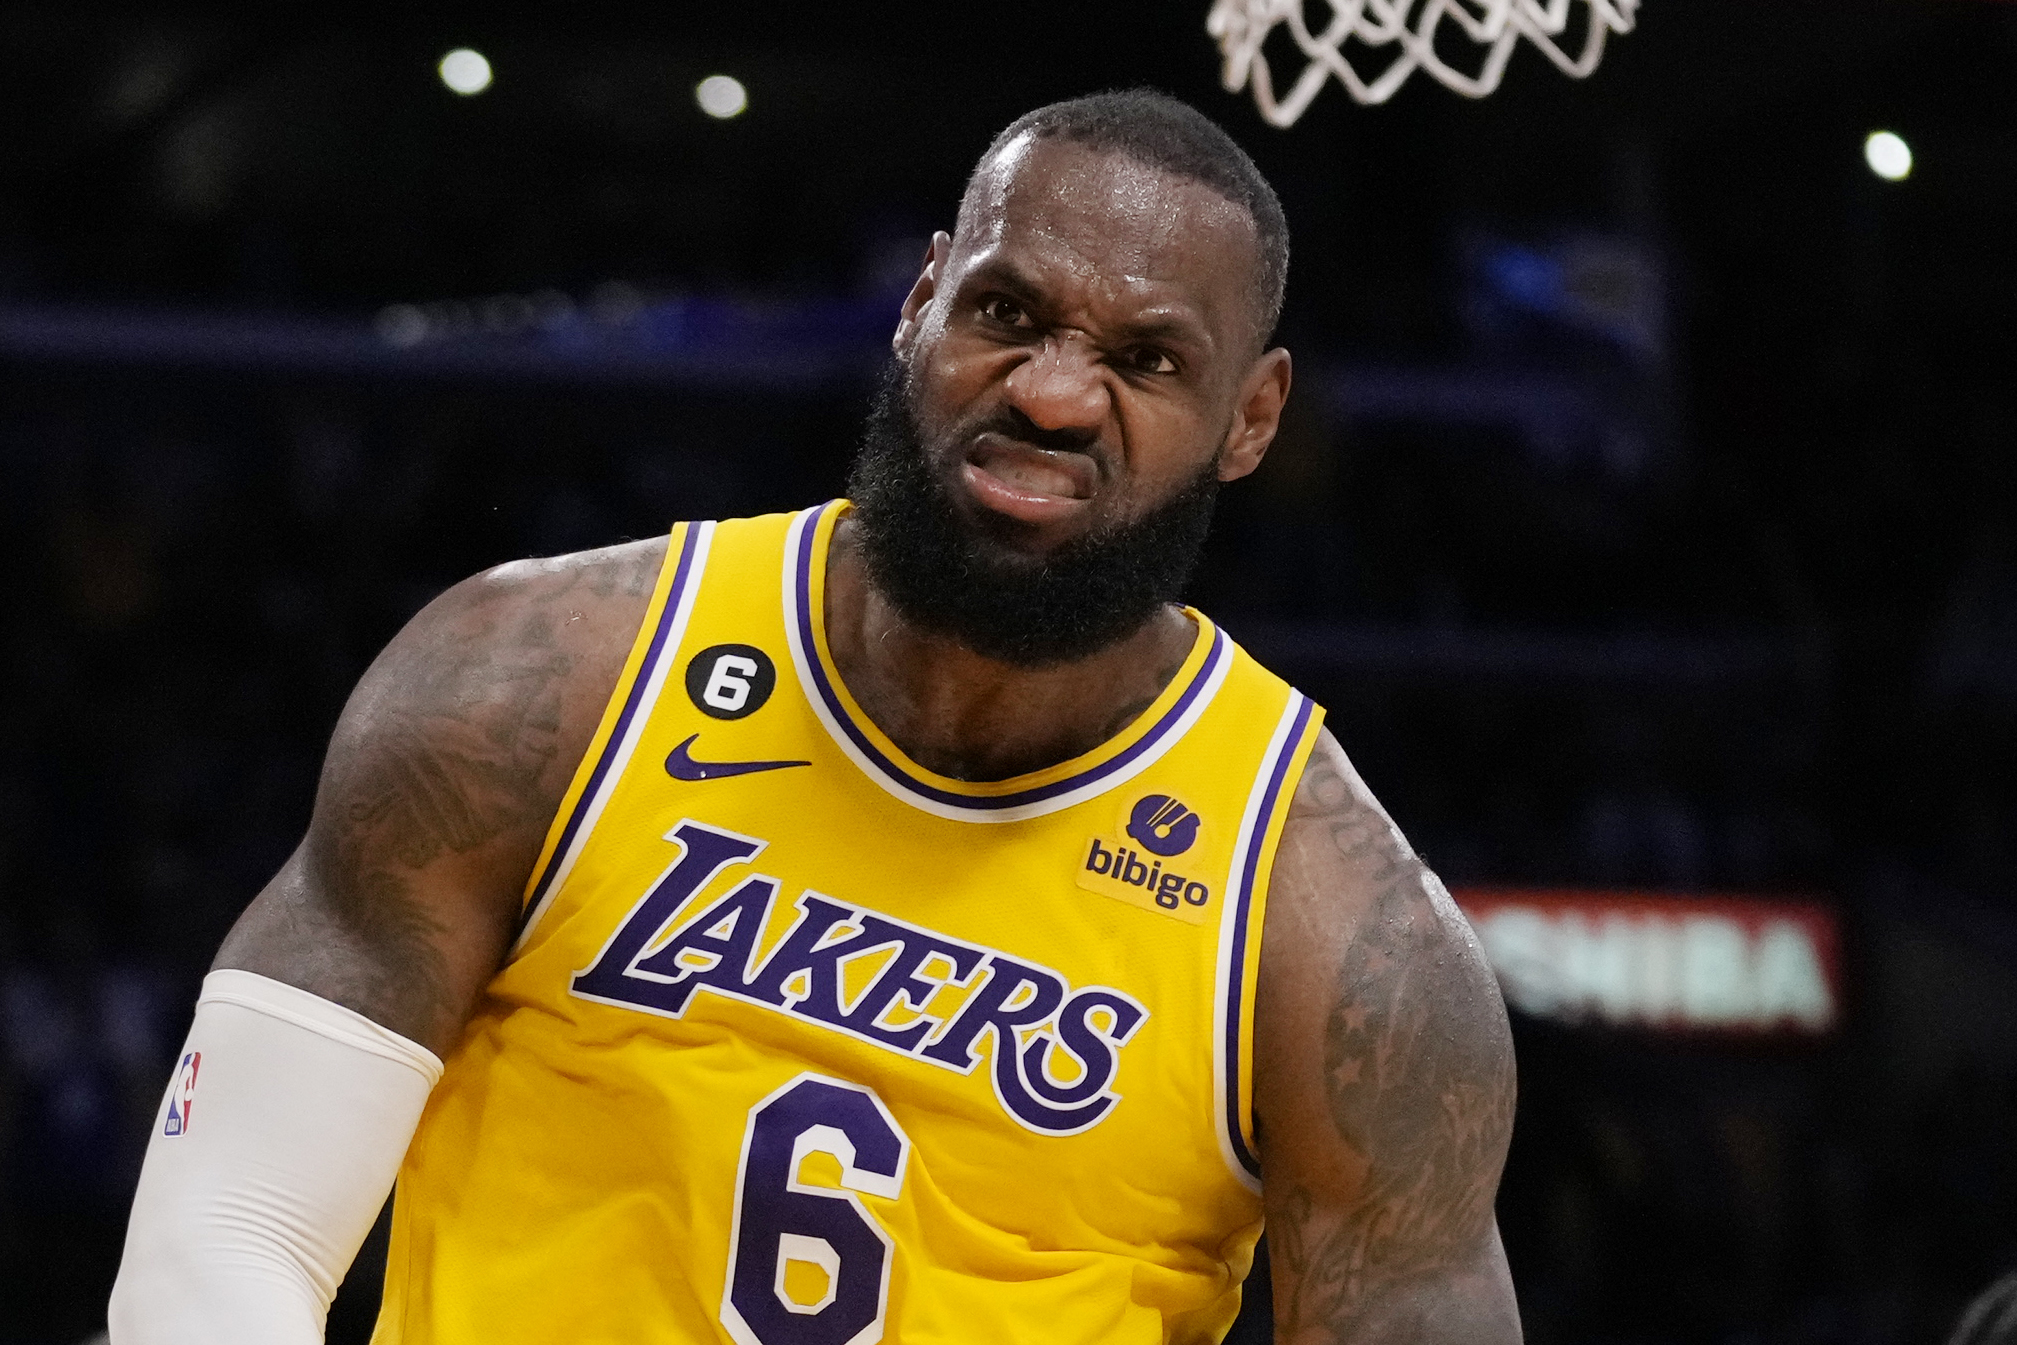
1031	476
1029	470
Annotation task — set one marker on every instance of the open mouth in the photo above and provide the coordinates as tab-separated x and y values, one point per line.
1023	481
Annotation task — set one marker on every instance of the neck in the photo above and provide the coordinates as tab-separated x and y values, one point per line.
973	718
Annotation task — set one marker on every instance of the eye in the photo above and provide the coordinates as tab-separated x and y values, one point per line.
1000	308
1148	360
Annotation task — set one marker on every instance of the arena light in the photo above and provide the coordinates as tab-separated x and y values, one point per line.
721	96
1888	155
465	71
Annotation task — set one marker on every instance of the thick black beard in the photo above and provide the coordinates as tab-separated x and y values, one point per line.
957	577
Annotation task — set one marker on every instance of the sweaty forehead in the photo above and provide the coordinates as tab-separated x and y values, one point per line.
1119	225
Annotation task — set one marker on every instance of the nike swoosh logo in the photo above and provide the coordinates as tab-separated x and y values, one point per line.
681	766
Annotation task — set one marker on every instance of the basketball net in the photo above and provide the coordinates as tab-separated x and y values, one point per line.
1410	29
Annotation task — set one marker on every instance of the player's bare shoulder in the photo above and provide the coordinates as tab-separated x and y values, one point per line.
530	648
444	772
495	686
1383	1082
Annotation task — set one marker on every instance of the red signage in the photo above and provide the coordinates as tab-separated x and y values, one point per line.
1721	963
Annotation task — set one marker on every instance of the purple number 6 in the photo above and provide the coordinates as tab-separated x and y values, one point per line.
779	1219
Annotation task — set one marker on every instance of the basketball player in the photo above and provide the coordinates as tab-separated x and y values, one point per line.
895	920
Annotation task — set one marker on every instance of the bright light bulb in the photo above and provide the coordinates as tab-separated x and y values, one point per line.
465	71
1888	155
721	96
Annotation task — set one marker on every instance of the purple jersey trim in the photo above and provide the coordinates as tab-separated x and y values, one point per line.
815	660
1236	982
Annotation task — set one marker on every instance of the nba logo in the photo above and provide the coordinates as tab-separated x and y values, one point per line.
182	1095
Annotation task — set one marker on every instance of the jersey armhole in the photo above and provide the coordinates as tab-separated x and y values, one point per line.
651	655
1240	950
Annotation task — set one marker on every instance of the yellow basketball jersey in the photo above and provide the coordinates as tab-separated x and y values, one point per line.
803	1044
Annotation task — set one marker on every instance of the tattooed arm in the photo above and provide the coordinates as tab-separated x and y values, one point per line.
1383	1086
445	771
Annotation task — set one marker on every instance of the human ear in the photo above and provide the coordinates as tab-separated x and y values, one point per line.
1256	415
912	314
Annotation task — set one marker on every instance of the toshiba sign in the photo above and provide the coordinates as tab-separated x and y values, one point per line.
1690	963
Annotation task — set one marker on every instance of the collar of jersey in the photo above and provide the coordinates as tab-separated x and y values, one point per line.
1107	766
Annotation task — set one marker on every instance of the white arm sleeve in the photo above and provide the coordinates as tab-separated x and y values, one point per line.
271	1156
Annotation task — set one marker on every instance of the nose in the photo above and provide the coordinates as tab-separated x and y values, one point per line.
1060	386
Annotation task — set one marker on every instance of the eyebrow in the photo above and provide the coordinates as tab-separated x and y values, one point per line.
1000	273
1003	274
1166	329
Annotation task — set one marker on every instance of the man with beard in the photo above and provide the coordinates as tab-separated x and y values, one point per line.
896	920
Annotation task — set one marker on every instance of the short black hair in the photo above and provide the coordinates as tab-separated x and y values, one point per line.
1158	131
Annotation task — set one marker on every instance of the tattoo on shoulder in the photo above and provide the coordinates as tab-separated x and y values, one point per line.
466	752
1418	1084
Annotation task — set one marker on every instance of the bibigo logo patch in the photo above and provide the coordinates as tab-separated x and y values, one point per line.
1140	864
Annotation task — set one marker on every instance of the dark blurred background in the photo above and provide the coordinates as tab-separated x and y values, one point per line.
1646	517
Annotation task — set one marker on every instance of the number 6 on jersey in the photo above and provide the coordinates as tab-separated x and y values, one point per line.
781	1221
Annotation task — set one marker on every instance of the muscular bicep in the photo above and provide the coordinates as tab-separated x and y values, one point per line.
1383	1086
442	776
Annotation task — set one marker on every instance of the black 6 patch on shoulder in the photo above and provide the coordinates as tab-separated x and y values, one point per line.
728	681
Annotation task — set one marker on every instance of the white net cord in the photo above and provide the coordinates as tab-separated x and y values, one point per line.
1241	26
